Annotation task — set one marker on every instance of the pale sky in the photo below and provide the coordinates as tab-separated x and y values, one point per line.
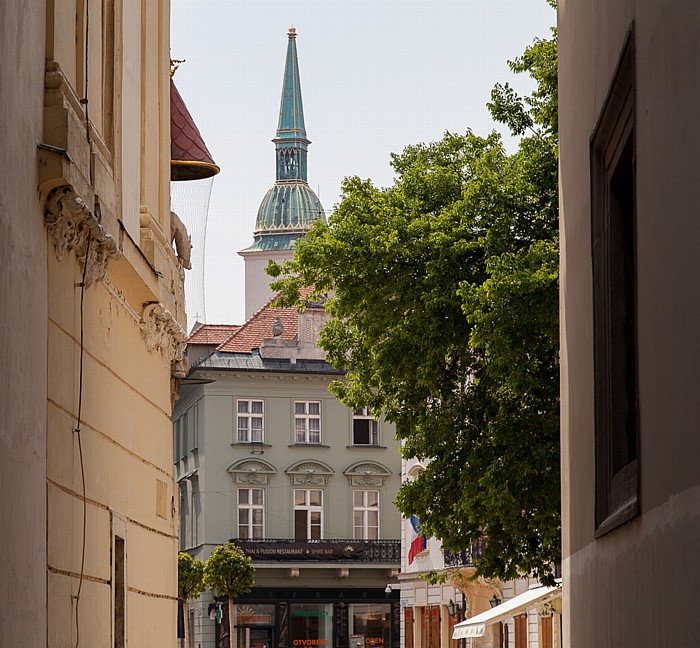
376	76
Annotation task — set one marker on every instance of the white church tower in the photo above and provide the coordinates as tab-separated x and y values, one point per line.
289	208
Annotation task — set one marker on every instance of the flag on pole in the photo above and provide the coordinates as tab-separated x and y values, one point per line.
418	540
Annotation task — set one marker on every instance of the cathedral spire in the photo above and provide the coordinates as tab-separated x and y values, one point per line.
291	142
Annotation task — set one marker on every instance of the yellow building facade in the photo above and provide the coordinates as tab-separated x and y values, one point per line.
93	326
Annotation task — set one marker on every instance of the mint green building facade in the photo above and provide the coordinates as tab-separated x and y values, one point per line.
266	457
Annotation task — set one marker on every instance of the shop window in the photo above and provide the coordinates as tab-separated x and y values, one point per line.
366	514
308	514
613	222
370	625
251	513
365	429
311	625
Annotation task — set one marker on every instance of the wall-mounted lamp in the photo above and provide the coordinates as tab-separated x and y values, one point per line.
453	607
215	612
388	590
495	601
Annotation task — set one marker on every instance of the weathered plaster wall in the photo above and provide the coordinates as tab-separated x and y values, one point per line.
635	585
23	331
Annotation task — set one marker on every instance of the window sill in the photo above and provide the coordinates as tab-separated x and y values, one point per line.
248	444
308	445
365	446
624	513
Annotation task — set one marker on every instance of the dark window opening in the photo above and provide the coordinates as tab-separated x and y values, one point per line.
613	222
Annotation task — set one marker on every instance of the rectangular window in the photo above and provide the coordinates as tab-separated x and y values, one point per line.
250	421
371	622
307	422
183	435
176	441
365	429
613	235
366	514
308	514
194	422
311	624
119	590
251	513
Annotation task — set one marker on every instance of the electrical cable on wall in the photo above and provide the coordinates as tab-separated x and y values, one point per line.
84	102
77	433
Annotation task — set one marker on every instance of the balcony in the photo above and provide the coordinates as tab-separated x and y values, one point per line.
385	552
464	557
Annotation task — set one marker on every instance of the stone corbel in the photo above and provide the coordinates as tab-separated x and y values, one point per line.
162	333
73	226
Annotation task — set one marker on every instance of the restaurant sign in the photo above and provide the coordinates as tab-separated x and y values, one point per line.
303	551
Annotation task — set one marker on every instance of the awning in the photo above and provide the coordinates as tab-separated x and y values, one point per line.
476	625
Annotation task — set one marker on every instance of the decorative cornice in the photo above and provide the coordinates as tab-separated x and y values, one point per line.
367	474
251	471
72	226
312	473
162	332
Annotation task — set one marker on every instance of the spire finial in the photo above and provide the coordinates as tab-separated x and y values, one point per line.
292	33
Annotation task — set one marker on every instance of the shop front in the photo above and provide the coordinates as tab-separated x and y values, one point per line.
312	618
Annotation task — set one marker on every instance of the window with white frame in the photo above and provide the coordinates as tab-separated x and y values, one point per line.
250	421
251	513
366	514
308	514
307	422
365	429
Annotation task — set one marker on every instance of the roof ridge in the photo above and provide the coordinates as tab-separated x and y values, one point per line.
256	315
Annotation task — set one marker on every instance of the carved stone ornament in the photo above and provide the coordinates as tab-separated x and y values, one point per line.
367	473
162	332
72	226
309	473
249	471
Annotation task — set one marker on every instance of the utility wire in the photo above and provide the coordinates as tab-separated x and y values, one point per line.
77	433
84	102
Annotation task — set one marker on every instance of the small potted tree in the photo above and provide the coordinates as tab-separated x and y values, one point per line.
190	584
229	572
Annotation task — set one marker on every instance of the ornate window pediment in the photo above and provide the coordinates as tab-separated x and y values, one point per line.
315	473
251	471
415	471
367	473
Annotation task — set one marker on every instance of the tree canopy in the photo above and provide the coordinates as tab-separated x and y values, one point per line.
190	576
443	296
228	571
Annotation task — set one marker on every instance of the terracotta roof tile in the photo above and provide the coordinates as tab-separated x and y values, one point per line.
212	333
259	328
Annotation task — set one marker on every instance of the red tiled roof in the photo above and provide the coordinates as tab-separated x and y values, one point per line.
212	333
189	156
259	328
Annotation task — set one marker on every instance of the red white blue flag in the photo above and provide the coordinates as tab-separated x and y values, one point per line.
418	540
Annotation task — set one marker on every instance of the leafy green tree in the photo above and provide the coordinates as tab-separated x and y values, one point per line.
190	584
443	296
229	572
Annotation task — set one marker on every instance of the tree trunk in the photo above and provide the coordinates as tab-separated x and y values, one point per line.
230	622
186	619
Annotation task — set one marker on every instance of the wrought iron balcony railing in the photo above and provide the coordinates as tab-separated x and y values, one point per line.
464	557
288	550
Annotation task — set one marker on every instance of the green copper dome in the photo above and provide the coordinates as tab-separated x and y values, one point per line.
289	208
